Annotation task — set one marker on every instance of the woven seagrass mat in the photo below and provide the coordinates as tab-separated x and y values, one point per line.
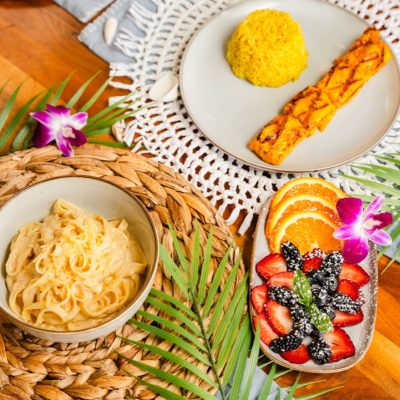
36	369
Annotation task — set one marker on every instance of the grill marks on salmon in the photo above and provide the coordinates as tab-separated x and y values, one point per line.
313	108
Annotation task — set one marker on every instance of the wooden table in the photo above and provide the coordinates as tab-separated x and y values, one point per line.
38	44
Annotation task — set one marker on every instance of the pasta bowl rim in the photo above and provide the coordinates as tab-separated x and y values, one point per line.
137	301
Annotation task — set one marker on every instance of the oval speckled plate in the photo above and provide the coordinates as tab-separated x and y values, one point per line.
360	334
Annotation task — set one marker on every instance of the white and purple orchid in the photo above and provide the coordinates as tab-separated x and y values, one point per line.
361	226
57	123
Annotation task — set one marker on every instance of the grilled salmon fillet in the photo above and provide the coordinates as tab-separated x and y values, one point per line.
315	106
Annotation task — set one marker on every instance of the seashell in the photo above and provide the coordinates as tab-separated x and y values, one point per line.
118	130
110	28
165	88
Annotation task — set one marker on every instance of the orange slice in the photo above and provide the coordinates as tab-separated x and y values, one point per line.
313	186
297	203
306	230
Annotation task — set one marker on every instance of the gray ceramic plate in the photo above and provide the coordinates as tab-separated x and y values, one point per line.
360	334
230	111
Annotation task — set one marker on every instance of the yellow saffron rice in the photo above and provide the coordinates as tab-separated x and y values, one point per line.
268	49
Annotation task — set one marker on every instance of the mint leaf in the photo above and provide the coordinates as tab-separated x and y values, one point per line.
302	288
319	319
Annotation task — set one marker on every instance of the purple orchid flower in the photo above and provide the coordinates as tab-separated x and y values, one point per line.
58	124
361	226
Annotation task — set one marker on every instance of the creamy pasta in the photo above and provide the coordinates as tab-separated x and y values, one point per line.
73	270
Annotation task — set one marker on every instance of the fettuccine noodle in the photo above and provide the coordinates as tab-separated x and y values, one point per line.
73	270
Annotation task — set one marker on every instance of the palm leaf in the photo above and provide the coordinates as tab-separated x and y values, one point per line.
78	94
383	172
98	124
173	358
109	144
8	107
294	387
242	338
240	369
205	269
266	388
236	305
195	256
24	135
212	291
221	302
251	366
179	382
18	117
231	334
173	327
380	187
111	108
164	296
60	89
167	394
175	314
96	96
214	332
177	340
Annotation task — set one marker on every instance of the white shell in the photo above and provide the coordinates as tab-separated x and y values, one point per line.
165	88
110	28
118	130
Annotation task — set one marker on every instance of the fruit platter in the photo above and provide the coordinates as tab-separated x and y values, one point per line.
315	311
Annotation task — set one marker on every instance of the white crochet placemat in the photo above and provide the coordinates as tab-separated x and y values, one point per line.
162	31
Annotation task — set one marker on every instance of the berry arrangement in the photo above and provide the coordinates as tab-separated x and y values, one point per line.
304	303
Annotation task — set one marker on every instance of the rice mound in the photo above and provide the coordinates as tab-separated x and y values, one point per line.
267	49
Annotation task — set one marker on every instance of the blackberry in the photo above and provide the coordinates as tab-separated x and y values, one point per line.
316	334
314	253
320	351
304	326
287	342
315	276
283	296
320	295
332	264
327	309
301	319
298	312
346	304
330	283
292	256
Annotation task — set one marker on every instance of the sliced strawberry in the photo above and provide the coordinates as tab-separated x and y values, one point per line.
344	319
297	356
348	287
340	343
282	279
279	317
259	295
354	273
271	265
266	332
312	263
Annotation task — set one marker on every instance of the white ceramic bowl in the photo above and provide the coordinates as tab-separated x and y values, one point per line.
92	195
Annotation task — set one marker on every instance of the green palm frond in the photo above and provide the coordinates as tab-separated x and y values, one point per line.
17	132
387	182
208	324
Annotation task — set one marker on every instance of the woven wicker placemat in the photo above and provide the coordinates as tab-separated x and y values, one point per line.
36	369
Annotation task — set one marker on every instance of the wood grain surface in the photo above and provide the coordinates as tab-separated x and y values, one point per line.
39	45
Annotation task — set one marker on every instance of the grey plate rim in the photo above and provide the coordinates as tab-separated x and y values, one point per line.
269	167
